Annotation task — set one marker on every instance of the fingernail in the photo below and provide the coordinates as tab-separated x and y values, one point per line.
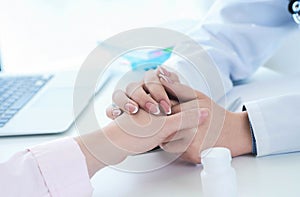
203	114
131	108
116	112
165	78
164	71
166	107
153	109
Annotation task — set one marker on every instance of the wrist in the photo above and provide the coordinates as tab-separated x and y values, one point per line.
237	131
93	164
99	149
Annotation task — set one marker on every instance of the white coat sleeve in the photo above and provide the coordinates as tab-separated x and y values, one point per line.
239	36
275	124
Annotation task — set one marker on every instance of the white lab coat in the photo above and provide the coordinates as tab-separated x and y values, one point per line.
239	36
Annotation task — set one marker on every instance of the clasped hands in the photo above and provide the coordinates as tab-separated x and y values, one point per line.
162	111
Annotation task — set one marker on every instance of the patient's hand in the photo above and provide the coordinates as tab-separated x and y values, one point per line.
142	132
149	95
128	135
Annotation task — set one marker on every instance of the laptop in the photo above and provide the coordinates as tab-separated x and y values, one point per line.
37	104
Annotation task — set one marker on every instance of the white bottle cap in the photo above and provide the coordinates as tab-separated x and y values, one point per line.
216	159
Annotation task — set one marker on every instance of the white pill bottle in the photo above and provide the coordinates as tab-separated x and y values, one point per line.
218	177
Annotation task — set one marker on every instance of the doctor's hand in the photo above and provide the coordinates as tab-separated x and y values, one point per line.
149	95
221	129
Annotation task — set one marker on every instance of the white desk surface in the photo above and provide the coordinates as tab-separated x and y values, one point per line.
267	176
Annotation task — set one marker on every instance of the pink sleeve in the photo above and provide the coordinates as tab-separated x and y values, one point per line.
63	167
53	169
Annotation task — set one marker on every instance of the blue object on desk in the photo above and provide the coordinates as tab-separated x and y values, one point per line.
148	59
143	59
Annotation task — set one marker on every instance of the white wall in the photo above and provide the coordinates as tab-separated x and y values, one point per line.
36	35
40	35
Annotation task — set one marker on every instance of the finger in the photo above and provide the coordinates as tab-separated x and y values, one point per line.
157	91
184	120
124	103
113	112
171	75
146	102
177	146
176	136
181	142
180	91
170	138
192	158
197	103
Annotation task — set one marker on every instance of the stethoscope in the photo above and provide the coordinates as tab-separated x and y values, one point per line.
294	9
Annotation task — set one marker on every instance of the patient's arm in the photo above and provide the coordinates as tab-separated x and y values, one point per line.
128	135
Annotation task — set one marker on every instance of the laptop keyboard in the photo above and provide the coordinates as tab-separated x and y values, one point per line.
15	92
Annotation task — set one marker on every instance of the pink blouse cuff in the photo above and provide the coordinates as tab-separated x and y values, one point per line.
63	167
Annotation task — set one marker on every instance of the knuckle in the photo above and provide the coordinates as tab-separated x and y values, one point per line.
142	98
132	88
117	94
141	102
151	77
157	91
150	73
175	76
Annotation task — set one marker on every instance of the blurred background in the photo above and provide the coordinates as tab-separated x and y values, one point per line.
40	35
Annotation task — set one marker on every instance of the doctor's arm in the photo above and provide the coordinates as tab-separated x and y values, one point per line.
238	36
64	167
275	124
266	127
